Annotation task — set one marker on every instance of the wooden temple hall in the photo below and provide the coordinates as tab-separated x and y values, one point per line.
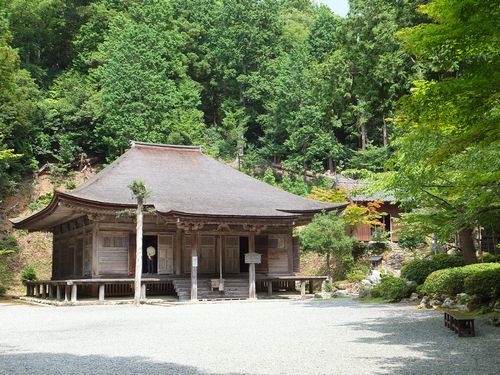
212	231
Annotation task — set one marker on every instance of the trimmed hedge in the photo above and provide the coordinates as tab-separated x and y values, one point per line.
391	289
451	281
484	284
418	270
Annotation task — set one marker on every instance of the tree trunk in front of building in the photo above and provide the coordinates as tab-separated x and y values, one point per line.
138	254
467	245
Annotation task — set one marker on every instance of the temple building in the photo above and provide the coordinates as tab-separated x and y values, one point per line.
215	231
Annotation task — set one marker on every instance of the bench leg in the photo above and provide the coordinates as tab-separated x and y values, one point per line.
270	288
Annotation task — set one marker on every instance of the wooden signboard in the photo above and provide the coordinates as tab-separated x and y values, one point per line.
252	258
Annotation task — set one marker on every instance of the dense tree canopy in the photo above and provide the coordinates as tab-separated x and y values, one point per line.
446	166
283	82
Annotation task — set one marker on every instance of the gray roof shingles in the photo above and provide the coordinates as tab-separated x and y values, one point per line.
184	180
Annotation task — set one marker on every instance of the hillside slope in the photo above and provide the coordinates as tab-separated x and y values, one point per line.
33	248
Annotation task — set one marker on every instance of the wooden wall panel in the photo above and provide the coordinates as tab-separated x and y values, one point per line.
113	253
231	253
166	254
278	254
296	254
131	253
207	260
261	247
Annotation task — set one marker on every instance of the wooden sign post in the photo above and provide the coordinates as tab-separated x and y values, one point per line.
252	258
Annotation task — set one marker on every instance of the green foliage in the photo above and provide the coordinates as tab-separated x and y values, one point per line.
359	249
357	273
391	289
269	177
42	201
70	184
410	241
490	258
327	286
3	289
28	273
418	270
484	284
379	241
446	165
326	235
8	244
139	190
451	281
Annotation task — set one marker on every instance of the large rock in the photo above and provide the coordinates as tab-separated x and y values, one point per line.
424	303
366	282
365	292
448	303
414	297
341	293
496	306
435	303
374	277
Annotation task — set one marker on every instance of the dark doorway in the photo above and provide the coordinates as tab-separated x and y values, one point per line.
387	222
243	251
146	242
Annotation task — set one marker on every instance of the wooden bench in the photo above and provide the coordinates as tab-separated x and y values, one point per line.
459	323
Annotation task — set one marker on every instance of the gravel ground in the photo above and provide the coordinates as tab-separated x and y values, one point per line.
340	336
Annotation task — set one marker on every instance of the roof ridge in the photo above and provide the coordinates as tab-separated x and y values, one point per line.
149	144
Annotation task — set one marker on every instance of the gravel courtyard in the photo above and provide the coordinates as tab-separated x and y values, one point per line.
340	336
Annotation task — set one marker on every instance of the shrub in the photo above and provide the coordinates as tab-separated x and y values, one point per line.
28	273
485	284
391	289
443	261
418	270
2	290
358	273
450	281
328	287
490	258
359	248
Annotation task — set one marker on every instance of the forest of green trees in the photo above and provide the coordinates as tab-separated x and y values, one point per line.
283	81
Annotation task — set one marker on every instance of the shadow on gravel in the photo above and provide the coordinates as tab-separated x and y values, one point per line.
437	350
68	364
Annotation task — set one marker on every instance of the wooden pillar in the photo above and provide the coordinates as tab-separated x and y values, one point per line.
302	288
178	252
143	291
194	265
251	268
95	244
270	288
51	291
311	286
102	289
73	293
58	291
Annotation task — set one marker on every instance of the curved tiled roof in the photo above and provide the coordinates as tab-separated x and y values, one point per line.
183	180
